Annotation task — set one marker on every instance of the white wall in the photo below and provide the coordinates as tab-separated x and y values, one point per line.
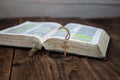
59	8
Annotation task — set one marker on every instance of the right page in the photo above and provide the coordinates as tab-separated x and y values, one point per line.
85	40
81	33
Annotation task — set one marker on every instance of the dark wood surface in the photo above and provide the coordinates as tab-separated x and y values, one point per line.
52	66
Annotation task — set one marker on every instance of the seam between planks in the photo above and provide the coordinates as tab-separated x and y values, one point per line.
12	64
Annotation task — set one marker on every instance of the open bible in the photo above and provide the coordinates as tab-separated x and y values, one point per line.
84	40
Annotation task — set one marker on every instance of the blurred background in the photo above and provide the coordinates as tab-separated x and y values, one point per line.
60	8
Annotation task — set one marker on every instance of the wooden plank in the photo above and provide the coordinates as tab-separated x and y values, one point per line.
106	70
6	55
52	66
49	67
62	21
110	68
5	23
44	66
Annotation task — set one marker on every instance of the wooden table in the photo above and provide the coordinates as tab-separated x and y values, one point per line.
51	66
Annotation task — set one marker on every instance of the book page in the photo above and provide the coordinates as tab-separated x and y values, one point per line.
22	28
81	33
47	29
38	29
27	34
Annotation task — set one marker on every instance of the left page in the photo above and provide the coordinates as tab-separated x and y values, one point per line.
27	34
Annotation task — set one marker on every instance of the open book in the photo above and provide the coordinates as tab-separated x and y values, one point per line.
84	40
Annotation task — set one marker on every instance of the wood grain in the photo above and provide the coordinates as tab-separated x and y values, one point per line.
62	21
6	55
46	65
52	66
5	23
